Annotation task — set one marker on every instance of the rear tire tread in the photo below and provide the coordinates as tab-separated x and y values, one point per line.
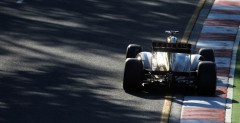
133	75
207	78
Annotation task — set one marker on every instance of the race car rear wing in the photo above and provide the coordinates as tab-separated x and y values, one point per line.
171	47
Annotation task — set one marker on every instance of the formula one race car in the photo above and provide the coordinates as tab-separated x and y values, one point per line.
171	64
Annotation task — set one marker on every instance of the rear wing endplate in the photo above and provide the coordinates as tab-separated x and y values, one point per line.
171	47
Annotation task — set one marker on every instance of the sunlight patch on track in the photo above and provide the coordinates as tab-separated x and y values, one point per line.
19	1
166	109
192	21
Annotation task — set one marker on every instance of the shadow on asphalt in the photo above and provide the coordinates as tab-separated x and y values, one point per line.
153	92
58	56
159	92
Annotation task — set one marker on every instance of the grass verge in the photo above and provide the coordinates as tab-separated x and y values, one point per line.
236	92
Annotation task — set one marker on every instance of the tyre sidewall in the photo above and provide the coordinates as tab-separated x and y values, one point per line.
208	54
207	78
133	50
133	75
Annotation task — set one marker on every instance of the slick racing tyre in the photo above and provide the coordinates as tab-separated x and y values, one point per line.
133	75
207	78
133	50
208	54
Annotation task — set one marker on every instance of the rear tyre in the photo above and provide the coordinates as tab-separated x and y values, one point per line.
133	50
207	78
133	75
208	54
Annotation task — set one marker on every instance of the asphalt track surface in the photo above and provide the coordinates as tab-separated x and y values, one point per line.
62	61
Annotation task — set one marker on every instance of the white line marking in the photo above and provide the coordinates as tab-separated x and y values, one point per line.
220	29
224	16
215	44
226	7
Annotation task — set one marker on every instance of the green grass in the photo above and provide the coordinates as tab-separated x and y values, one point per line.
236	92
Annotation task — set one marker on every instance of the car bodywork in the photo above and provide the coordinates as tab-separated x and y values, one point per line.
170	63
169	59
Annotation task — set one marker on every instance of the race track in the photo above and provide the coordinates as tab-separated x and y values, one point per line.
62	61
